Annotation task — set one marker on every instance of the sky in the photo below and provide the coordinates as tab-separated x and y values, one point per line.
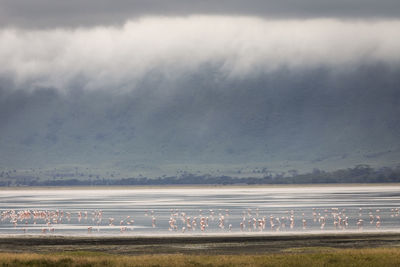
196	82
89	13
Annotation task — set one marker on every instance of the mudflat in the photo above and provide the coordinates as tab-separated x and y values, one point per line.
210	244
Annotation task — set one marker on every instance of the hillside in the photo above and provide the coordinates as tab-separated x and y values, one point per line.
206	122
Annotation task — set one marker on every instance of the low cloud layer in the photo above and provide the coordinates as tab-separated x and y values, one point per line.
117	58
202	89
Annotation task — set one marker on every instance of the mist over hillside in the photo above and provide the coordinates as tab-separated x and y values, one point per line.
202	94
320	117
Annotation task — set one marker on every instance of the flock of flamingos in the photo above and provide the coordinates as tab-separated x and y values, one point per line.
47	221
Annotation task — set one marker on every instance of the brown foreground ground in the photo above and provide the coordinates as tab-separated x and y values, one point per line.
381	257
363	249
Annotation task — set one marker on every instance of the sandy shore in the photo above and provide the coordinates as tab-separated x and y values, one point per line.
232	244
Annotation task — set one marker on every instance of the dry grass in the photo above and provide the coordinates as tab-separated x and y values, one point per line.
309	257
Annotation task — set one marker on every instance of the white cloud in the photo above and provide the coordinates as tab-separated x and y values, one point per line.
117	57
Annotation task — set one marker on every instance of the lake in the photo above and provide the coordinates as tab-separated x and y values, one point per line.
199	210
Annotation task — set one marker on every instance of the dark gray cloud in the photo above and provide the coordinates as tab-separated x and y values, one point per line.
73	13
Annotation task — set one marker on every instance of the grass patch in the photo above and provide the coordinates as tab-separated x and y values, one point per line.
342	257
309	250
82	253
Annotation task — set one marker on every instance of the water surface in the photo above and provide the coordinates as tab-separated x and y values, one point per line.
216	210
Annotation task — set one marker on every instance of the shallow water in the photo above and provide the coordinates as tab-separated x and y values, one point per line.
218	209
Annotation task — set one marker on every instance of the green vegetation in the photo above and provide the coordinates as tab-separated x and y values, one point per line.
344	257
357	174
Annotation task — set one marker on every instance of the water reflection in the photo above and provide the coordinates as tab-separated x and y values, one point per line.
200	210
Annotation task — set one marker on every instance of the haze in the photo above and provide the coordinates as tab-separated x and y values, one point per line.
145	87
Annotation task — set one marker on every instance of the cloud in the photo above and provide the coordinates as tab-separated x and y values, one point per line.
117	58
76	13
201	89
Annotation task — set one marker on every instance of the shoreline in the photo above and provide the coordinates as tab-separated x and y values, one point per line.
210	244
118	187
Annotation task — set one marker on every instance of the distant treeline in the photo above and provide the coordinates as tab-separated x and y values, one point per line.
358	174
